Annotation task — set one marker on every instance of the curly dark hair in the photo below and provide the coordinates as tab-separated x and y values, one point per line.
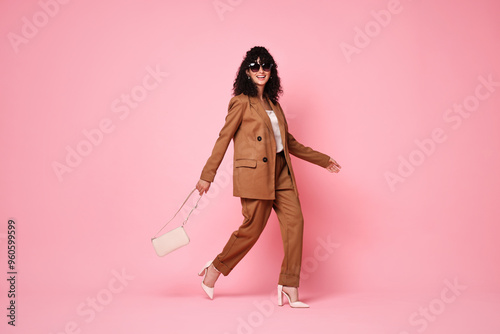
243	85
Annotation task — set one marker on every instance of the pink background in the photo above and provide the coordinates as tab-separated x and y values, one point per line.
395	246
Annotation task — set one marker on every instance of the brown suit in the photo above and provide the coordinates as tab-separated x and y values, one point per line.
264	180
248	124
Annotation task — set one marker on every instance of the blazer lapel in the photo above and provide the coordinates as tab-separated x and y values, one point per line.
260	110
265	117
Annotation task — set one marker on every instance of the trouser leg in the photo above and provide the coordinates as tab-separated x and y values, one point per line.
256	213
287	208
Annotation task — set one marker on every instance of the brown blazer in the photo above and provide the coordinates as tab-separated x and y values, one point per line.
249	126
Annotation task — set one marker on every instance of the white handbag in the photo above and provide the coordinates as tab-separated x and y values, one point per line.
175	238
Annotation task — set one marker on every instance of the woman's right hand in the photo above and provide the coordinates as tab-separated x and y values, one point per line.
202	186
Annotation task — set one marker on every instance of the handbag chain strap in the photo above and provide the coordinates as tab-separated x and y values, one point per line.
190	212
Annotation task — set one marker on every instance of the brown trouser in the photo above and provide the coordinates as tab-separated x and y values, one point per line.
256	212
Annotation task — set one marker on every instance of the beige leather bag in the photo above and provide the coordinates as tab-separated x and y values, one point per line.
176	238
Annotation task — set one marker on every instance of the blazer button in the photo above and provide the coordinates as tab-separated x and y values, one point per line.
259	138
265	159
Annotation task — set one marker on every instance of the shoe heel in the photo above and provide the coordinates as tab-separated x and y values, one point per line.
296	304
280	295
202	272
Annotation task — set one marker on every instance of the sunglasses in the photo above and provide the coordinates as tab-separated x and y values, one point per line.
255	67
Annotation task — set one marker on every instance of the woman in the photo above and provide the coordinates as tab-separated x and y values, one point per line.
262	173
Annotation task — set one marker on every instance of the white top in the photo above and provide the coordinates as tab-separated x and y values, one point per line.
276	130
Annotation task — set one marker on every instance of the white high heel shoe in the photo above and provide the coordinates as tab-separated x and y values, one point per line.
203	272
297	304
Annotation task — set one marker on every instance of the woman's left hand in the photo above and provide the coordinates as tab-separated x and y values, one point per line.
333	167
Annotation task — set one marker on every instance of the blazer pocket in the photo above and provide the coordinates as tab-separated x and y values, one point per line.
250	163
